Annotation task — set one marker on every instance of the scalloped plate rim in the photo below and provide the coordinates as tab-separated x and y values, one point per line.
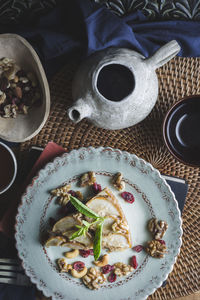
39	173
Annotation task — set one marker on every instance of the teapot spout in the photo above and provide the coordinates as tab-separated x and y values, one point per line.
163	55
79	111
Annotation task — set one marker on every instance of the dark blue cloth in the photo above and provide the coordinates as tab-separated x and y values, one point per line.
7	291
13	292
84	27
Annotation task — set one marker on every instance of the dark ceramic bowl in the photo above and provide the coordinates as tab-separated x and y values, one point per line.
181	130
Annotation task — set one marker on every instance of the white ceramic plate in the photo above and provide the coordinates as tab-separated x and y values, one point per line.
153	198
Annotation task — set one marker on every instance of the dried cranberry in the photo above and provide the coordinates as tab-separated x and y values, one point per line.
97	187
112	277
78	265
138	248
134	263
162	242
107	269
91	252
128	197
3	83
84	253
73	193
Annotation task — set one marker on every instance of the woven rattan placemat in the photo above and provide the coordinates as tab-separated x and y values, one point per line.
178	78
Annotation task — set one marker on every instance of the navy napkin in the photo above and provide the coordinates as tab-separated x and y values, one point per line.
7	291
83	27
180	187
13	292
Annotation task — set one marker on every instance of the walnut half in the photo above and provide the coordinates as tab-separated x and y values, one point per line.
88	178
156	249
158	228
121	269
61	191
93	278
62	194
118	183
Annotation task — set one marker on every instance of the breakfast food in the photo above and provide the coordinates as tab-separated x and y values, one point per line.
19	89
99	223
115	233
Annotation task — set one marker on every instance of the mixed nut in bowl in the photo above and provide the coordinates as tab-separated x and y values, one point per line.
24	90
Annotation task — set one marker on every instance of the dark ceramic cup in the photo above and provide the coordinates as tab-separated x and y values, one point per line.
181	130
8	167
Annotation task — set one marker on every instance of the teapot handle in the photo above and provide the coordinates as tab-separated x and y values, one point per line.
163	55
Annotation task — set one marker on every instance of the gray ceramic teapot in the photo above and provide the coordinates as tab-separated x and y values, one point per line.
117	88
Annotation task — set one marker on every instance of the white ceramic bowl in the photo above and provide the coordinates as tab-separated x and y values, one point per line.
14	173
24	127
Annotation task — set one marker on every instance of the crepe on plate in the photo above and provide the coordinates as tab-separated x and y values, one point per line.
116	232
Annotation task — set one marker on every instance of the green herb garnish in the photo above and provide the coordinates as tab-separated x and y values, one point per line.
82	230
78	233
82	208
97	241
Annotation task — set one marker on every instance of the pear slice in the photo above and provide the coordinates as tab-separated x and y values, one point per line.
74	245
107	225
66	227
106	205
55	241
116	242
84	240
65	224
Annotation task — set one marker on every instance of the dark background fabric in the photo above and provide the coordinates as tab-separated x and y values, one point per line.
156	9
84	27
18	11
